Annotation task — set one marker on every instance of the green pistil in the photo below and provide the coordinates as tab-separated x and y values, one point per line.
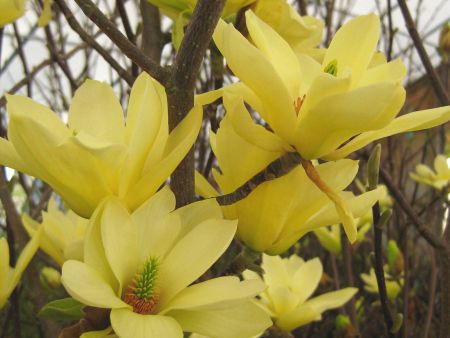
331	68
146	280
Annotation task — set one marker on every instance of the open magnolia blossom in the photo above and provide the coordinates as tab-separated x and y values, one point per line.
393	287
63	233
324	110
438	178
280	211
10	277
290	284
321	110
97	154
142	265
11	10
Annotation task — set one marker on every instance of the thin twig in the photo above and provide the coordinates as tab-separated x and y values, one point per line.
432	238
75	25
379	270
127	47
22	57
36	70
431	72
390	30
60	61
348	264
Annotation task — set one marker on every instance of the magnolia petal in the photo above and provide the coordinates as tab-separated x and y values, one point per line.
215	294
353	45
156	238
203	188
98	334
11	10
4	265
35	113
10	158
96	110
53	157
94	251
301	315
260	227
441	166
178	144
197	212
391	71
242	321
277	51
282	299
342	113
120	237
128	324
231	148
246	128
331	300
24	259
187	260
146	123
81	179
307	278
358	205
419	120
46	14
256	71
31	226
87	286
310	199
156	207
275	272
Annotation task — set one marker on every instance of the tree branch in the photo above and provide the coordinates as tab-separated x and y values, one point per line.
434	79
181	85
75	25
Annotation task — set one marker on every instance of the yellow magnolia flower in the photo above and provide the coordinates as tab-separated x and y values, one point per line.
142	266
393	287
303	33
354	94
10	277
63	233
11	10
97	154
438	178
277	212
290	284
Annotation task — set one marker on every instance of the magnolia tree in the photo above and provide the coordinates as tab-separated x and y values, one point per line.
224	180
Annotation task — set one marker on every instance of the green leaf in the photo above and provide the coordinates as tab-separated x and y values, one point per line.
67	309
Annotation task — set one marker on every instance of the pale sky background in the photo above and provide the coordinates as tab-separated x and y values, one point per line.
430	21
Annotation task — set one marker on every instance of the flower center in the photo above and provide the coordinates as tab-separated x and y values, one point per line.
331	68
142	293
